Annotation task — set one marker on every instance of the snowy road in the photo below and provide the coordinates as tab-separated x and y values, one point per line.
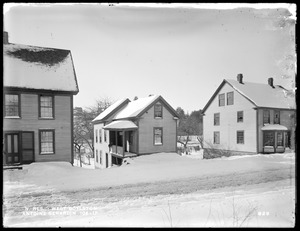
263	197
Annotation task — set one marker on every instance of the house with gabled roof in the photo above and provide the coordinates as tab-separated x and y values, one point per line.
131	128
244	117
38	88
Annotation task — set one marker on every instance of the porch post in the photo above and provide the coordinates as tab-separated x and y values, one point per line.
123	143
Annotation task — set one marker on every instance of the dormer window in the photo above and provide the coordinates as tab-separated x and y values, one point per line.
158	110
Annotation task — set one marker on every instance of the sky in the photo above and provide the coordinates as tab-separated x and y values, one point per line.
179	51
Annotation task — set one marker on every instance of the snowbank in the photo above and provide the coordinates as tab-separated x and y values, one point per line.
144	169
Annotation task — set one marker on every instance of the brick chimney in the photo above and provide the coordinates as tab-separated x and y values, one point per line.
240	78
270	82
5	37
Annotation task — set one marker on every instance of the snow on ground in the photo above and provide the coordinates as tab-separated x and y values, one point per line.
252	206
143	169
155	191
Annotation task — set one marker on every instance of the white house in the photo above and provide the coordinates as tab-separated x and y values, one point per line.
245	117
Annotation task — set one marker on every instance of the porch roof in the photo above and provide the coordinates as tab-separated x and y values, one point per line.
272	127
121	125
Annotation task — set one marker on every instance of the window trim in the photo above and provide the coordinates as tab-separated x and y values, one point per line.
97	156
237	114
53	107
222	94
162	142
161	110
40	143
227	97
214	140
217	124
19	106
237	136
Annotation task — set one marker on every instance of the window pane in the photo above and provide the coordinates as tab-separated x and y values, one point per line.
268	138
158	110
240	137
222	99
266	116
11	105
229	98
46	106
47	142
158	136
240	116
9	138
279	139
15	143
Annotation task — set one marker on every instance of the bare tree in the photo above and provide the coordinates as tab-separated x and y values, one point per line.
83	128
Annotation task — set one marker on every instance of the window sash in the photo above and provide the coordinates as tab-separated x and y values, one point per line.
269	138
158	136
240	137
230	98
277	117
266	117
222	99
12	105
46	106
217	119
157	110
47	142
216	137
240	116
279	139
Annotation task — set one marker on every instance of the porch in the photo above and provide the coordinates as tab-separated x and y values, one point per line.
122	140
276	138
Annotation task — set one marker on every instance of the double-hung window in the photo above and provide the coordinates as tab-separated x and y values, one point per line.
12	105
230	98
46	107
266	116
222	99
158	110
216	137
158	136
217	119
47	141
240	116
240	137
276	117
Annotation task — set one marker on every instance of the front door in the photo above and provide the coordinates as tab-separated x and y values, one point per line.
12	148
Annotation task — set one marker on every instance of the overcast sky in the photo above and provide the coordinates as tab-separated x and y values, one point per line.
181	52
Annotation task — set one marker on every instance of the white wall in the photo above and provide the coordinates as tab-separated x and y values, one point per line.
101	146
228	123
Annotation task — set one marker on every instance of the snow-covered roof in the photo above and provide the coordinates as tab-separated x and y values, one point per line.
124	108
110	109
135	107
38	68
261	95
120	124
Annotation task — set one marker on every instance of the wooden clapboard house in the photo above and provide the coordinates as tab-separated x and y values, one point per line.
130	128
38	88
